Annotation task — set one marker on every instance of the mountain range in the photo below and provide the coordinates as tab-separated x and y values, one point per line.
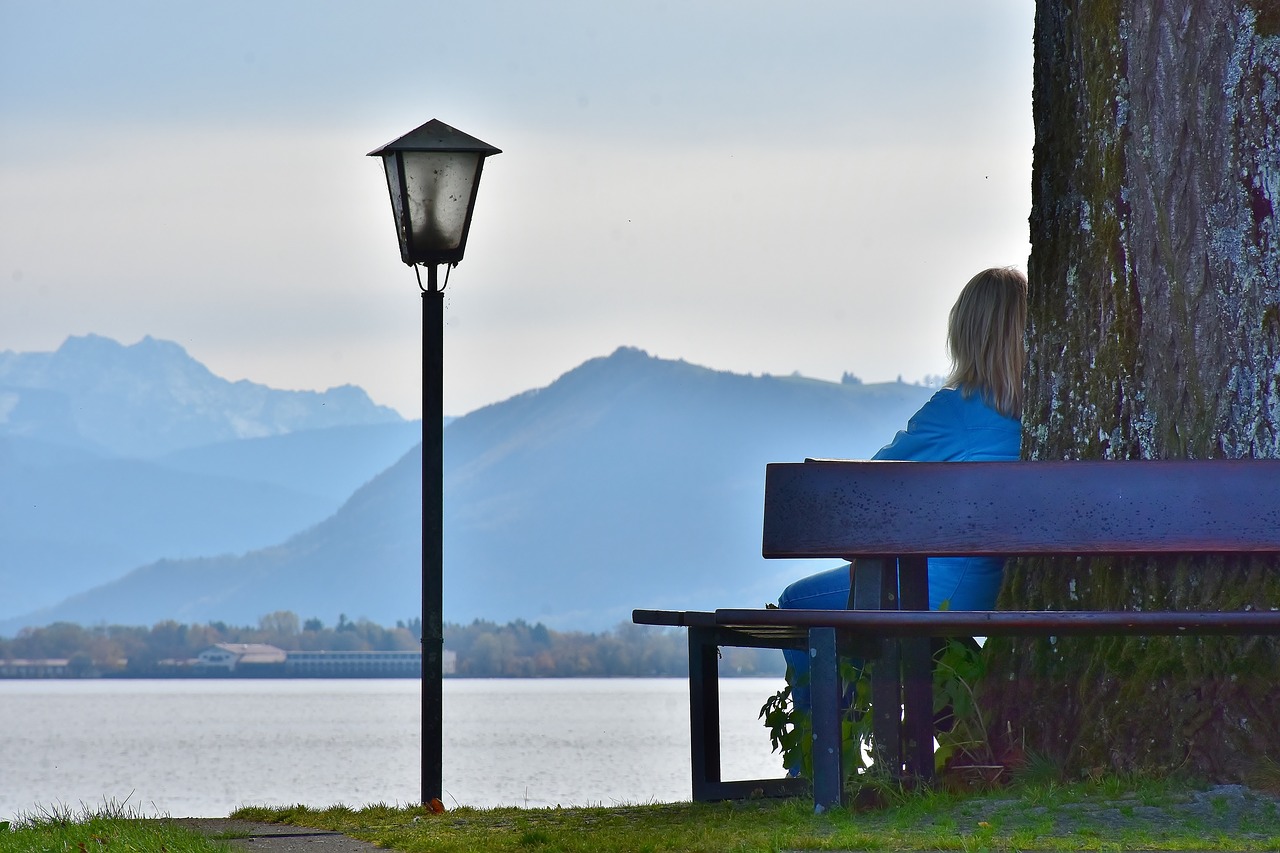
630	481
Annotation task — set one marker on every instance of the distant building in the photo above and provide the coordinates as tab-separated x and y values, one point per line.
41	668
354	664
229	656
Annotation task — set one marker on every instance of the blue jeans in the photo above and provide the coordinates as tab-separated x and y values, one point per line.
827	590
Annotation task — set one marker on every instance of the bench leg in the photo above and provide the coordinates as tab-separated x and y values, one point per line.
886	710
917	676
876	588
917	702
704	713
824	685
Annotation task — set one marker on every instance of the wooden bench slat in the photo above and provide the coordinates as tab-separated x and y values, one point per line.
673	618
847	509
982	623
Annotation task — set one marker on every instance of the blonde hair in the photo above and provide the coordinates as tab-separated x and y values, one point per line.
985	336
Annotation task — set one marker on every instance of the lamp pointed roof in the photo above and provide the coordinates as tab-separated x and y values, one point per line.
435	135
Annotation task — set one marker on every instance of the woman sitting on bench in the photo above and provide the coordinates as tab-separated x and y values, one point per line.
973	418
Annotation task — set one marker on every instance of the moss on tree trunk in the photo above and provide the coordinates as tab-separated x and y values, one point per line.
1154	332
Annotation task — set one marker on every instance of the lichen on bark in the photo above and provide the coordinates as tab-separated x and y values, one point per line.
1154	333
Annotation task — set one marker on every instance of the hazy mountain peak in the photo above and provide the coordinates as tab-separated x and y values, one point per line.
102	344
625	353
97	362
152	397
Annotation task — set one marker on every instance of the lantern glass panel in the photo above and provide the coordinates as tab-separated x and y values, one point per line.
390	163
438	191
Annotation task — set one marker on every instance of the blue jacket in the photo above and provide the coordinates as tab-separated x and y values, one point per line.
953	428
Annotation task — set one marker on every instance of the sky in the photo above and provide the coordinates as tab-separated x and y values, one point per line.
762	188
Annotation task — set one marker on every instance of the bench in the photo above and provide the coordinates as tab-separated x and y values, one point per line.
890	517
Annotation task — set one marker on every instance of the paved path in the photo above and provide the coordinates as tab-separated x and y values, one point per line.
275	837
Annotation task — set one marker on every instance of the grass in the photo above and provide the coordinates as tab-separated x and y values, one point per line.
1047	815
1104	816
112	828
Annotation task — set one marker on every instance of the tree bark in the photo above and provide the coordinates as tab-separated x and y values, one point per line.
1154	332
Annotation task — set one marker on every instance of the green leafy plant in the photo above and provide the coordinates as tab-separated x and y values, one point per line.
958	667
791	728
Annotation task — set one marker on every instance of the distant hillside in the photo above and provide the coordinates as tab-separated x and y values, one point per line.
112	457
71	520
361	561
637	482
629	482
331	462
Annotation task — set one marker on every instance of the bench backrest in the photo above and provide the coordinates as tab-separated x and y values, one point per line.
829	508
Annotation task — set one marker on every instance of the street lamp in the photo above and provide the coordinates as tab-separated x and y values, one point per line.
433	173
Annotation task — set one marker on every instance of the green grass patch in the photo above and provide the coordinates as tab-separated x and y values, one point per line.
1102	816
113	828
1105	815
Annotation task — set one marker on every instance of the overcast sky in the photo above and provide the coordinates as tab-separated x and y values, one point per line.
754	187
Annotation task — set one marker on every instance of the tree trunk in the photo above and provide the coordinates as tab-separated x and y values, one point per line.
1154	332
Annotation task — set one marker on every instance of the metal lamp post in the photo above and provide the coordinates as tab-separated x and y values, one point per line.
433	173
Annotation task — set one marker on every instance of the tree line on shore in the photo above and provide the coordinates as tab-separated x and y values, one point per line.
137	650
484	649
518	649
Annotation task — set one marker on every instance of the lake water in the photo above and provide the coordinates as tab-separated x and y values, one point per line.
201	748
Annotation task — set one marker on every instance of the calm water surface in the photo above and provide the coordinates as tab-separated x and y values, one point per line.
202	748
